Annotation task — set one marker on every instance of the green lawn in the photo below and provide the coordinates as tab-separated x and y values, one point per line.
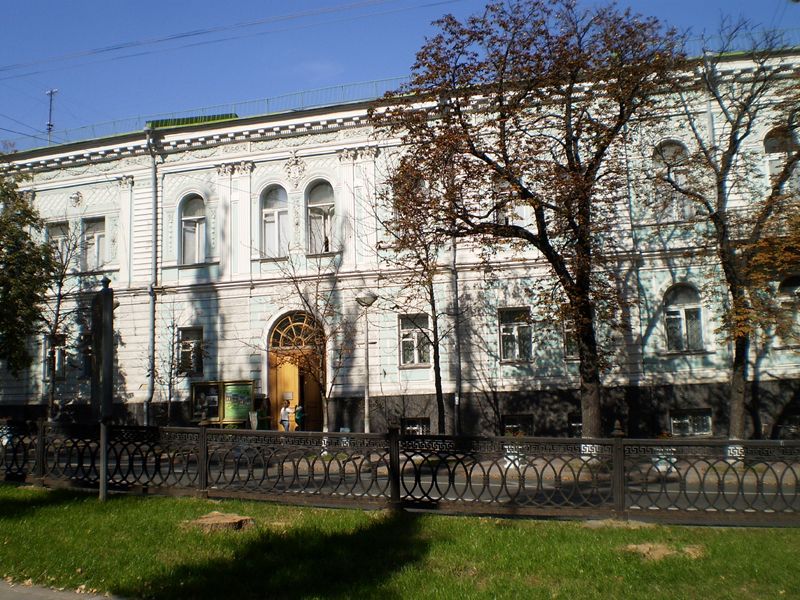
140	548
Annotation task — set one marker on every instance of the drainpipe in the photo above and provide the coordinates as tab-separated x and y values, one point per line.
151	349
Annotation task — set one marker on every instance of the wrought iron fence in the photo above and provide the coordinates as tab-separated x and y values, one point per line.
667	480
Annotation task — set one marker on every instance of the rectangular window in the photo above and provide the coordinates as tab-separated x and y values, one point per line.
517	425
690	422
684	329
275	233
190	351
415	347
55	356
58	237
319	229
192	236
416	425
570	341
789	329
515	334
94	244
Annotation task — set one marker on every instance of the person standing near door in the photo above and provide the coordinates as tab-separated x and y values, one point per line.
284	416
298	417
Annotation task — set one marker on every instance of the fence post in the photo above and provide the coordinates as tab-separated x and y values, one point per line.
38	465
203	463
394	466
618	471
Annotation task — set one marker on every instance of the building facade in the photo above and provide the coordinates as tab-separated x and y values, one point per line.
245	255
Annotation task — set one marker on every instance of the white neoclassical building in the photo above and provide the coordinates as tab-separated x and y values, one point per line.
244	255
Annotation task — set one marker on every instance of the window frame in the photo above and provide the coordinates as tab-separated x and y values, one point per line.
190	351
515	330
778	145
678	208
60	241
98	245
199	223
691	416
420	342
517	425
327	210
789	299
58	345
677	312
280	215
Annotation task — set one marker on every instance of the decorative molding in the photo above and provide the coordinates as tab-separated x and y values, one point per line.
170	233
212	227
358	153
113	228
125	182
244	167
233	148
76	199
348	155
225	169
295	167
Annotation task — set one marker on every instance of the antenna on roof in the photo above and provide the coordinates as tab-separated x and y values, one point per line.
50	93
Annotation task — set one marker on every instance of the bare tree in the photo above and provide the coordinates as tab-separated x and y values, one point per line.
321	346
179	358
515	120
738	99
63	308
412	250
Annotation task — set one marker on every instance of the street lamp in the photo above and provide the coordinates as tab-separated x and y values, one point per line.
366	300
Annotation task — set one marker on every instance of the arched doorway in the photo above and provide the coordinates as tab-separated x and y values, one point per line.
296	368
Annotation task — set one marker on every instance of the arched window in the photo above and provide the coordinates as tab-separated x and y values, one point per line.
274	222
683	319
670	159
789	297
193	231
296	331
777	146
320	218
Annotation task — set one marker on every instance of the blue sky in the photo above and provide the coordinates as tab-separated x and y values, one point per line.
239	51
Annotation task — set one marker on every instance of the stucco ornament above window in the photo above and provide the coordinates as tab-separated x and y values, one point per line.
295	168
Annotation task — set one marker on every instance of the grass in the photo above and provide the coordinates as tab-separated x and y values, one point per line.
139	547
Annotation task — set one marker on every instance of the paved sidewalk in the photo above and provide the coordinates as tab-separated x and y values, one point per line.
18	591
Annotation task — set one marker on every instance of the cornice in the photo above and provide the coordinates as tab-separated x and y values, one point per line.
168	143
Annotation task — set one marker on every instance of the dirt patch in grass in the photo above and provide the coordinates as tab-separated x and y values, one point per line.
662	551
617	524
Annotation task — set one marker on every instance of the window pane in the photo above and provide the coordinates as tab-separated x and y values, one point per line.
194	207
316	231
322	193
508	344
94	243
407	350
269	238
674	324
524	341
275	198
423	348
694	330
283	234
190	342
189	242
681	294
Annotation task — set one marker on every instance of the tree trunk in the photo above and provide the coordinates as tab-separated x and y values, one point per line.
437	366
741	349
589	369
51	380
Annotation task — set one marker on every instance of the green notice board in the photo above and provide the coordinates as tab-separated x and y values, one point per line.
237	401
